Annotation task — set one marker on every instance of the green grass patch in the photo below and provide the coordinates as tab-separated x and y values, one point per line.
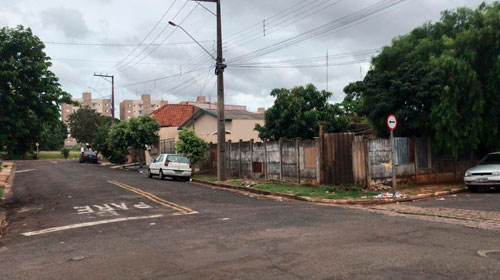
1	192
57	155
324	191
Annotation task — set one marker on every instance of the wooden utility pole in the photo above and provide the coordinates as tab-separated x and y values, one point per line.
112	94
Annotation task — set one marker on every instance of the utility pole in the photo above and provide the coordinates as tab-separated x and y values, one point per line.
112	94
326	69
219	71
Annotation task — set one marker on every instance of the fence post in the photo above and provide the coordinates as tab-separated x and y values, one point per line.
229	157
368	163
297	147
281	158
415	152
321	149
251	158
265	159
239	148
210	157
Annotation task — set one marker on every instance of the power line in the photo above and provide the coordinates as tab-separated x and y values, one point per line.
120	44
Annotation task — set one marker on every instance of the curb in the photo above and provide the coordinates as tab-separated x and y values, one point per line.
7	195
333	201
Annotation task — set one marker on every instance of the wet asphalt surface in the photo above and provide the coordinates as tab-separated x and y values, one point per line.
231	235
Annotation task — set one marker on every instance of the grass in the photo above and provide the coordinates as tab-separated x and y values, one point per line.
1	192
324	191
57	155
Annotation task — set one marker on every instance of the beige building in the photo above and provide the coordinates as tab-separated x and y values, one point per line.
239	125
102	106
202	103
134	108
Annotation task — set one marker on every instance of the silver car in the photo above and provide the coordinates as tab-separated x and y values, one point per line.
485	175
175	166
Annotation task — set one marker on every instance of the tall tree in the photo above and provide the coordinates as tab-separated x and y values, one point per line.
142	132
53	135
441	80
30	93
85	124
299	112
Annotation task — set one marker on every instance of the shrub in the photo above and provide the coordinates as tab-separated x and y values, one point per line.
65	152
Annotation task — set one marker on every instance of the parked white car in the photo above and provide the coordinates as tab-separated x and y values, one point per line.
485	175
169	165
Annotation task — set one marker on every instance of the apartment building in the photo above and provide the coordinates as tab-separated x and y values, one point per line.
102	106
201	102
134	108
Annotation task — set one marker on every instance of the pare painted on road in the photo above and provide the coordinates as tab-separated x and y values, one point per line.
110	209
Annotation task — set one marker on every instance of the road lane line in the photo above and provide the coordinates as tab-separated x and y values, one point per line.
147	195
154	198
88	224
27	170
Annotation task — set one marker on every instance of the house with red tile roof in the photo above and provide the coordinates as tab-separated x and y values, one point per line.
171	117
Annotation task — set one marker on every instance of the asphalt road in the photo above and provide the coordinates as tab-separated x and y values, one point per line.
488	200
84	221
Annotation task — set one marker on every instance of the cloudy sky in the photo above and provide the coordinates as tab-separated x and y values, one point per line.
267	44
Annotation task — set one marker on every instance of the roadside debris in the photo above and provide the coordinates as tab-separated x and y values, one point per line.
441	198
247	184
225	219
77	258
390	195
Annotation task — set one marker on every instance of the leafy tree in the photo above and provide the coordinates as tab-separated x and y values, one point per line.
30	93
85	124
191	145
299	112
117	143
53	135
142	131
441	80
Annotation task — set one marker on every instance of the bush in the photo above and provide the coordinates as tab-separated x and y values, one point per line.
65	152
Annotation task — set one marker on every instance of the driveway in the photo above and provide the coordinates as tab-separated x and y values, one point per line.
84	221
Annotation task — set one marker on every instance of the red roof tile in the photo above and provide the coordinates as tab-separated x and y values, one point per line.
173	115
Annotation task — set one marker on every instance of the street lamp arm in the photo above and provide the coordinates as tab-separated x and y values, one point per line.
176	25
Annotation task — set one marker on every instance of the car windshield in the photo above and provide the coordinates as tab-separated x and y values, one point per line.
179	159
89	153
490	159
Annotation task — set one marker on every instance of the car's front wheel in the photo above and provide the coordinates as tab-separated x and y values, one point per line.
473	189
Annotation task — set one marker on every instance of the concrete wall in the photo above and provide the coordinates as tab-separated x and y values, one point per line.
286	160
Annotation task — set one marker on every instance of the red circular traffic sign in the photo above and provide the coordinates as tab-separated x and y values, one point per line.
392	122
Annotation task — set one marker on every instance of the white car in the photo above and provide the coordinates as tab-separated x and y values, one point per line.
485	175
175	166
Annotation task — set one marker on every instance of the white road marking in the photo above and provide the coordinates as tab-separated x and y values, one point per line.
54	229
26	170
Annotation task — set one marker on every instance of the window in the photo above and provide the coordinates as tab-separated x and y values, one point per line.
68	110
140	106
130	105
94	105
179	159
129	111
140	112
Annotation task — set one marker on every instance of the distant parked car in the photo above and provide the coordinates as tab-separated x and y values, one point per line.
175	166
485	175
88	156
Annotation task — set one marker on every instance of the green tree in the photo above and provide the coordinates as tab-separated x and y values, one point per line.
85	124
299	112
30	93
191	145
441	80
142	132
117	143
53	135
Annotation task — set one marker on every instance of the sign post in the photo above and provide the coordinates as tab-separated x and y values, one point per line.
37	149
392	123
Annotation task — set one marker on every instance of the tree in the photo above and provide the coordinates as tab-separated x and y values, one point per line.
53	135
85	124
30	93
142	131
191	145
117	143
299	112
441	80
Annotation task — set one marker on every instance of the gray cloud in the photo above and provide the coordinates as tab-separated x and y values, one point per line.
70	22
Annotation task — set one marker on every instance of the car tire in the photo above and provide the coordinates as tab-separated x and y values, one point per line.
162	177
473	189
150	175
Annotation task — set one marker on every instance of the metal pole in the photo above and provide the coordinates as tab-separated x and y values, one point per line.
112	100
393	165
221	127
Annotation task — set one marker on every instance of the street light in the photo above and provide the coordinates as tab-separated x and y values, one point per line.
219	71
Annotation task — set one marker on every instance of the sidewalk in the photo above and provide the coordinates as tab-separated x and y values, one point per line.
332	194
6	180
